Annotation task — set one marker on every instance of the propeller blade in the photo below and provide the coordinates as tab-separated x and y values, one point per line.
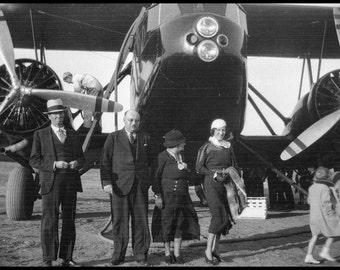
310	135
79	101
7	50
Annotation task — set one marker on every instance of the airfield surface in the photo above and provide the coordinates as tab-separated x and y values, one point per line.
279	240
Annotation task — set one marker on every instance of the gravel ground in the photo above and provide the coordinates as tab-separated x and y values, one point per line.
279	240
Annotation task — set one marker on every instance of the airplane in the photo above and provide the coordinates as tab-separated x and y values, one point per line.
188	67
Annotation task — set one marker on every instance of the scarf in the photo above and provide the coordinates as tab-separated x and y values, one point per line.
221	143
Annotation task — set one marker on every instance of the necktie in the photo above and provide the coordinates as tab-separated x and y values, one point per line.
132	138
62	135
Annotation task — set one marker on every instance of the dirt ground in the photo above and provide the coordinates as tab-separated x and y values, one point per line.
279	240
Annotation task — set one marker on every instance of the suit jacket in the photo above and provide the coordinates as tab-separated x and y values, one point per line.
43	156
118	167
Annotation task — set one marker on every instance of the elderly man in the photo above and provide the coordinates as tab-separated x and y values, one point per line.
125	174
85	84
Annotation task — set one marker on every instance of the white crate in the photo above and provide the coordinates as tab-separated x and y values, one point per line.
256	208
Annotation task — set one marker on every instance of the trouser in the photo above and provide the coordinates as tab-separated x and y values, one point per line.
62	194
134	205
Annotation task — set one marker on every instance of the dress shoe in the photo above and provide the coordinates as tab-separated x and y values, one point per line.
325	255
46	263
170	259
309	259
216	256
70	263
116	261
207	260
179	260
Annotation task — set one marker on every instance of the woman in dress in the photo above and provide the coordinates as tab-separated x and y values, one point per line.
174	218
214	157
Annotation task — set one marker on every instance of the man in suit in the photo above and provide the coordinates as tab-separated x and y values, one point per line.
57	156
125	171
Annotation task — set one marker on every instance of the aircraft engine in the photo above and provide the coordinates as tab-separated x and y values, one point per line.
324	98
25	113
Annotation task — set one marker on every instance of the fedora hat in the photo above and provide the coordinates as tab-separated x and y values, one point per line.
173	138
54	106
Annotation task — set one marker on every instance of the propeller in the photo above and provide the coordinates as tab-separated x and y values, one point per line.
70	99
310	135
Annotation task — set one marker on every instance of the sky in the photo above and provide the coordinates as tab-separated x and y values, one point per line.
277	79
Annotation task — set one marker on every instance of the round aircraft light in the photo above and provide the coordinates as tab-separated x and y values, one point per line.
222	40
207	50
192	39
207	27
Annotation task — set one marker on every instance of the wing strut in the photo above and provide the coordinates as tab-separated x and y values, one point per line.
273	169
123	53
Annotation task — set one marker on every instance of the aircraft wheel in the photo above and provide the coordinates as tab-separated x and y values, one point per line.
20	194
24	115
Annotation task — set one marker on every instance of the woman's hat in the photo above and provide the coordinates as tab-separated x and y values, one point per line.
218	123
55	105
173	138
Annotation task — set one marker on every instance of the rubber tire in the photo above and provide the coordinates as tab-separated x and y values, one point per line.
20	194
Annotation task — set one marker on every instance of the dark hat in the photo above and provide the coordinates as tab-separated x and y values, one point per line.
173	138
55	105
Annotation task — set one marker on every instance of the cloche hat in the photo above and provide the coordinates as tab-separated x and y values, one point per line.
173	138
218	123
55	105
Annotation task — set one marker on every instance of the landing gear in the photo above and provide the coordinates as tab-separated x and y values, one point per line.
21	193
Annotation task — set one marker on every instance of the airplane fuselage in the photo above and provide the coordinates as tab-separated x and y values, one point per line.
173	87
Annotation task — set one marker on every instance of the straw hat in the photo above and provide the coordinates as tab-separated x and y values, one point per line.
173	138
54	106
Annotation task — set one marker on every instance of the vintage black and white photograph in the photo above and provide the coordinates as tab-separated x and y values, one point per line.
169	134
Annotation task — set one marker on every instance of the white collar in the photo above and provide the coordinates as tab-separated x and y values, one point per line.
55	129
221	143
177	157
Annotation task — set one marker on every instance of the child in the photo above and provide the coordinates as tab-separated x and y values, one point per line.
323	216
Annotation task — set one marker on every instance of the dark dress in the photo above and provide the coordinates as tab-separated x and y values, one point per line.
178	218
211	158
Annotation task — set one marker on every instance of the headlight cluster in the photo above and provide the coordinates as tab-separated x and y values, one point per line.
207	50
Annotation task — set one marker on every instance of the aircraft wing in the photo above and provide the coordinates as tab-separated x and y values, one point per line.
278	30
288	30
90	27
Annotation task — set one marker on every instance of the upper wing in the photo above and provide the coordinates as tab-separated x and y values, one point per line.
280	30
92	27
288	30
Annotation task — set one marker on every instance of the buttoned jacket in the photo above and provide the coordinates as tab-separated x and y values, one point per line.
119	168
43	156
